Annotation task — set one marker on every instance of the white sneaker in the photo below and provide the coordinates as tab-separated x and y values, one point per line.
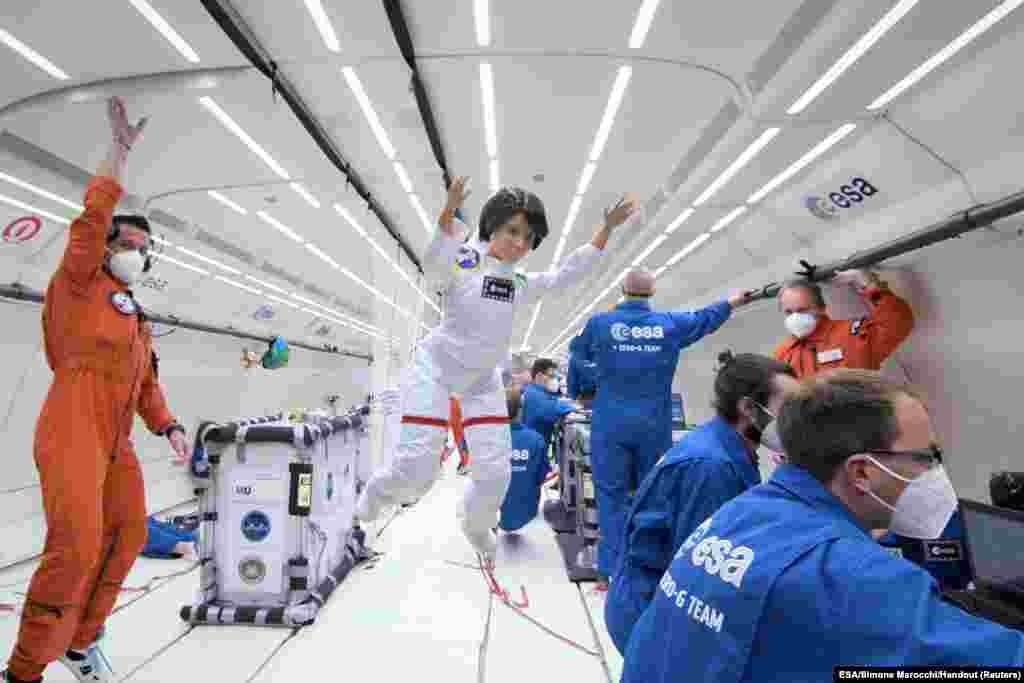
95	668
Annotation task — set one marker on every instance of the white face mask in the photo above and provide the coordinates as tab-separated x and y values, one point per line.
801	324
773	444
551	385
926	505
127	266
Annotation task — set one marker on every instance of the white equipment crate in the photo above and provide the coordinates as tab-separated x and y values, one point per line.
276	518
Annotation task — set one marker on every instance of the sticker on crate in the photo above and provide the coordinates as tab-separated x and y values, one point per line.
252	570
256	526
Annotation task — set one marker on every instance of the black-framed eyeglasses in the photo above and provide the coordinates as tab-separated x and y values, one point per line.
930	456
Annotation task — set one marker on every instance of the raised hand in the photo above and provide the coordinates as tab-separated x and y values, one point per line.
125	134
743	298
855	278
621	212
457	193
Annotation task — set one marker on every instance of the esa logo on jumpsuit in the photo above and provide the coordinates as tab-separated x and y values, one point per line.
621	332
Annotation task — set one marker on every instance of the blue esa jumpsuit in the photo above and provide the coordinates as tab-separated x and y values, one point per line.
529	468
582	377
636	351
541	410
707	468
783	584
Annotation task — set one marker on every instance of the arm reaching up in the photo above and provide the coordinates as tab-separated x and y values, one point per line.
84	253
441	252
581	261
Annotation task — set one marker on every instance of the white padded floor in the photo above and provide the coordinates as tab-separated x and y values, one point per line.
412	616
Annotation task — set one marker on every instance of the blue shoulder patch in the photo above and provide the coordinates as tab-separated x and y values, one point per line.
467	258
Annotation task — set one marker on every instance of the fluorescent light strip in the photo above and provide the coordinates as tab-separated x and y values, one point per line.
427	224
227	202
368	111
558	255
352	221
208	260
853	54
402	273
647	252
280	226
728	218
680	219
403	177
160	240
659	271
334	312
164	257
33	209
529	330
239	285
352	321
586	177
687	250
643	23
614	100
304	193
795	168
345	324
323	24
41	192
230	124
282	301
323	257
31	55
165	29
734	168
574	210
373	290
494	176
387	257
945	53
265	284
342	323
487	93
483	23
594	303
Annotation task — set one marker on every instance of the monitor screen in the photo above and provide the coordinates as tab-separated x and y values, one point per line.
995	540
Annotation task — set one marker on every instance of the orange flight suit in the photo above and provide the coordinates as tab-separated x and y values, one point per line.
863	344
100	352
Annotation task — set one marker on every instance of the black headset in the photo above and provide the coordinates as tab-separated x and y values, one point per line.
140	222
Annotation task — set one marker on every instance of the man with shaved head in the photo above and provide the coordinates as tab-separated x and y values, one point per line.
636	351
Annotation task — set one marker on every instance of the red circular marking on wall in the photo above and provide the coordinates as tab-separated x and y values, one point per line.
22	229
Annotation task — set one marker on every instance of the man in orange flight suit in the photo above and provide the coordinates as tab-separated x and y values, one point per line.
99	348
818	343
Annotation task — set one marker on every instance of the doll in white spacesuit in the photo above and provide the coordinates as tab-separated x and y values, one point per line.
462	355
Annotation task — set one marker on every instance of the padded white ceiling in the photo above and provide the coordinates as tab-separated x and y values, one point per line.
709	79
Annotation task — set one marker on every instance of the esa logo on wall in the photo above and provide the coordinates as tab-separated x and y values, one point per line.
256	526
829	208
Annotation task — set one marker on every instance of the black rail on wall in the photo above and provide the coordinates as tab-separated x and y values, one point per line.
244	39
19	293
404	39
956	225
